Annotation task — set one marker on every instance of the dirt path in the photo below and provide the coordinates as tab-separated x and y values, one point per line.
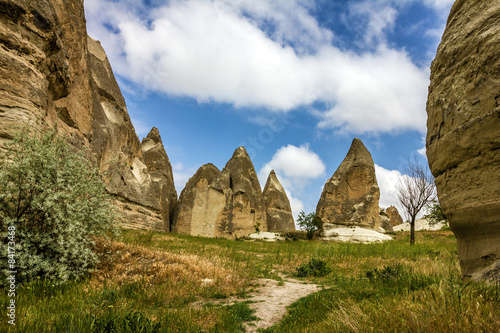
271	300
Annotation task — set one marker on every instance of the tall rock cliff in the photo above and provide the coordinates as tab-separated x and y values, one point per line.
463	133
278	210
351	196
53	75
225	203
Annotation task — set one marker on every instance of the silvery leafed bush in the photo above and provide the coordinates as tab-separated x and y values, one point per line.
52	205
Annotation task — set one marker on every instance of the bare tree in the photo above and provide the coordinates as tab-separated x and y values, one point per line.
415	190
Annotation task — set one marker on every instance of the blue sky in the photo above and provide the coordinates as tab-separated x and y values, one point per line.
294	81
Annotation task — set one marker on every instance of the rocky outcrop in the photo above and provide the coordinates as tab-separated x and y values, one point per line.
44	70
385	221
227	203
278	210
53	75
162	177
463	133
199	206
244	208
351	196
394	216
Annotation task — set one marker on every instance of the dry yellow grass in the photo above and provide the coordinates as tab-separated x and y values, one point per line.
124	263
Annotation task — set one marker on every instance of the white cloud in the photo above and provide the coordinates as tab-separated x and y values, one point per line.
374	18
296	204
225	51
387	181
295	163
181	176
295	167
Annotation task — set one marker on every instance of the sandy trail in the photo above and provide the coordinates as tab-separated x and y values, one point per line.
271	300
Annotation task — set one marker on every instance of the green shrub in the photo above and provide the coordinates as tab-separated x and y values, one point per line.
130	322
315	267
52	205
309	223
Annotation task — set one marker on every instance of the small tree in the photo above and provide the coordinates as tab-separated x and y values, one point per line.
415	189
52	205
435	214
309	223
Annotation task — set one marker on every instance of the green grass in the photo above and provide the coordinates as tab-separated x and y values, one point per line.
158	282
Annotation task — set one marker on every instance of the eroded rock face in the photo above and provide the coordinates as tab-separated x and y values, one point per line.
53	75
227	203
244	208
278	210
199	206
394	216
351	196
162	177
385	221
44	74
463	133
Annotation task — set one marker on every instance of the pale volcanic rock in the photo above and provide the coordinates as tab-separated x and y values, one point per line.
463	133
160	170
44	74
385	221
351	234
245	208
140	174
278	210
198	207
351	196
53	75
227	203
394	216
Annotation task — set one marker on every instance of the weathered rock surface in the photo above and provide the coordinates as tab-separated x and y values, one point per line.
227	203
385	221
394	216
463	133
162	177
244	205
198	207
53	75
278	210
351	196
351	234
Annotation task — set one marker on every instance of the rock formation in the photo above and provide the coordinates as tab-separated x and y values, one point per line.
394	216
53	75
351	196
385	221
278	210
222	204
463	133
198	207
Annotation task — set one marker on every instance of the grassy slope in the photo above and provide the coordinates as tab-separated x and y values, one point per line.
155	282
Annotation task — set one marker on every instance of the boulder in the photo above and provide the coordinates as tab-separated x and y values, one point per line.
463	133
278	210
52	75
198	207
351	196
394	216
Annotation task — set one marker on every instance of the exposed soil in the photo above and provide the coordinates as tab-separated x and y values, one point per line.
271	300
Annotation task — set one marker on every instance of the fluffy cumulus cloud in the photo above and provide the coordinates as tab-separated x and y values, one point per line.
296	163
387	181
273	55
295	167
